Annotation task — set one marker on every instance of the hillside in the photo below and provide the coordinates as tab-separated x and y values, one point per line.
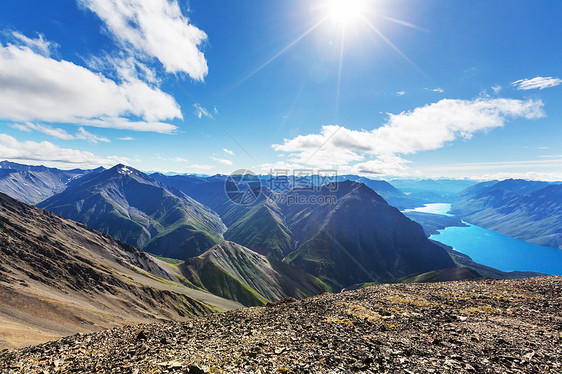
526	210
456	327
237	273
58	277
138	210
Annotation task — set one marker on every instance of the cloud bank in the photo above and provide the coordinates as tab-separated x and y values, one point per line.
154	29
381	150
36	87
48	153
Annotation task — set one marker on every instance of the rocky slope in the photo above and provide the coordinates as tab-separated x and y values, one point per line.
458	327
237	273
58	277
138	210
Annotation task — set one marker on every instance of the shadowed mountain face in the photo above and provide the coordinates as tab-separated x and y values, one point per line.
138	210
232	271
359	238
387	191
33	184
527	210
351	236
58	277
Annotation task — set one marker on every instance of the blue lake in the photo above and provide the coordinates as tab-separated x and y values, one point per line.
500	251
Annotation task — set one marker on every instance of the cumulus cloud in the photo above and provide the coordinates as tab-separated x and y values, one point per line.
536	83
34	87
228	152
82	134
50	154
438	90
154	29
430	127
400	93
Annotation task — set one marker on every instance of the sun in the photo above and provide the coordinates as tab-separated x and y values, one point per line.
345	12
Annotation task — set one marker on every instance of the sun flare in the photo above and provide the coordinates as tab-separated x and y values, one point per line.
345	12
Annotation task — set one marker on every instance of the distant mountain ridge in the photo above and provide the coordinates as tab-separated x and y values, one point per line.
33	184
526	210
138	210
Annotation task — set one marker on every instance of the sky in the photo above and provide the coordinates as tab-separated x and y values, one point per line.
380	88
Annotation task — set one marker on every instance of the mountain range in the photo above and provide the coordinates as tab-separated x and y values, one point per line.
59	277
204	252
33	184
356	237
138	210
527	210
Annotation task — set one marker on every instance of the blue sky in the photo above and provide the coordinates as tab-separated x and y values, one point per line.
462	89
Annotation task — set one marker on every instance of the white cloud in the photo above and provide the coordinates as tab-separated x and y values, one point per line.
154	29
127	138
172	159
200	111
497	88
198	167
34	87
82	134
438	90
538	82
20	126
50	154
125	67
39	45
222	161
400	93
425	128
228	152
126	124
525	169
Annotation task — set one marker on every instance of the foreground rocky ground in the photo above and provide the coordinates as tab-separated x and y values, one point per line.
510	326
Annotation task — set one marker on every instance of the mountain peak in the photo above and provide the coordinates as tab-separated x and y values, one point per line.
123	169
